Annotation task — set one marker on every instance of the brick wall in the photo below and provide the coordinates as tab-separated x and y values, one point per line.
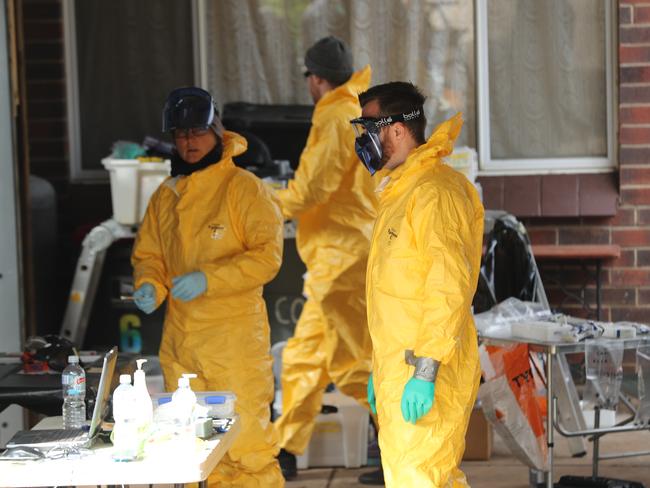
45	88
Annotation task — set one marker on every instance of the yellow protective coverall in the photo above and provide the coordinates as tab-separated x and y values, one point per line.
332	196
223	221
422	273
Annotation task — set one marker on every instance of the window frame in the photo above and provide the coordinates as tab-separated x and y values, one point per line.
541	166
77	172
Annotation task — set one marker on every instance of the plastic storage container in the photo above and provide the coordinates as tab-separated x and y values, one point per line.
220	404
339	438
132	184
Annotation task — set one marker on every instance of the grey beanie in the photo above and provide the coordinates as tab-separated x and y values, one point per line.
330	58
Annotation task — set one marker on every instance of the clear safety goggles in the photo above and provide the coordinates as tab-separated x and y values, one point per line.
192	132
373	125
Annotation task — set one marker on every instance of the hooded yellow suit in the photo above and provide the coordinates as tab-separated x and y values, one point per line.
422	273
333	199
223	221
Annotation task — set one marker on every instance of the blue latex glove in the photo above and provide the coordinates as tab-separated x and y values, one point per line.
417	399
189	286
145	298
372	400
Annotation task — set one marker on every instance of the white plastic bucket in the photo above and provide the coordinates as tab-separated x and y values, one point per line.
132	184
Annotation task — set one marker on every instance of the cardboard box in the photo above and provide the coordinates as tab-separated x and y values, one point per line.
478	440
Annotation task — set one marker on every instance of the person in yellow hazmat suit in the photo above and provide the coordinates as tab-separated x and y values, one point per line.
333	200
210	239
422	274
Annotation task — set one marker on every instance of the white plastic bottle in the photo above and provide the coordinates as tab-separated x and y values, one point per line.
183	402
143	399
126	437
73	380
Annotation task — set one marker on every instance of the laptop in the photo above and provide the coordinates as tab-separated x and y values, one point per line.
49	438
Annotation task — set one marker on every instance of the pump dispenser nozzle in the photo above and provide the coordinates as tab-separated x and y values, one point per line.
184	380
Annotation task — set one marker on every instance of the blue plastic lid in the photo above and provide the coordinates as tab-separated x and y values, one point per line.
215	400
163	400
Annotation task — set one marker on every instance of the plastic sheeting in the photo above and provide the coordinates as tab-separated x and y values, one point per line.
643	373
604	364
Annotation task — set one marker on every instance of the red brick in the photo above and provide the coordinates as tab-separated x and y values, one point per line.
43	31
631	237
45	51
50	10
532	222
45	90
557	296
632	314
644	296
636	114
612	296
624	15
543	236
643	216
584	236
46	129
45	109
492	191
634	135
643	258
578	311
624	217
609	296
635	74
634	155
569	276
634	94
631	277
633	35
634	176
627	259
44	71
631	54
635	196
641	14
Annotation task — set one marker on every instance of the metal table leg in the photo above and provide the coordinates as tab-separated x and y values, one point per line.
550	414
598	288
596	453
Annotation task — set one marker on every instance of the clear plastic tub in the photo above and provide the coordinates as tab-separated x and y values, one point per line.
220	404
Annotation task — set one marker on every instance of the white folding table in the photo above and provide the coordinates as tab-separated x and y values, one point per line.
98	468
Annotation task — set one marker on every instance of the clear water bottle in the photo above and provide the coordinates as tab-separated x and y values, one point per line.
73	380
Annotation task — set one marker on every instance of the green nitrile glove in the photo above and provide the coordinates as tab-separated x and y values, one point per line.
372	400
417	399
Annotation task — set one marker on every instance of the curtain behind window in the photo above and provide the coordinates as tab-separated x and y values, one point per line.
547	78
257	48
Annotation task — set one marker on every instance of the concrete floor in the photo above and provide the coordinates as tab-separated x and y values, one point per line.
503	471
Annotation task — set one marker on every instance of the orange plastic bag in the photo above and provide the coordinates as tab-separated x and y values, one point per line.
511	402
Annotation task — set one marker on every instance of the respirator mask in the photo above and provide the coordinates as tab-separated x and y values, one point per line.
367	143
